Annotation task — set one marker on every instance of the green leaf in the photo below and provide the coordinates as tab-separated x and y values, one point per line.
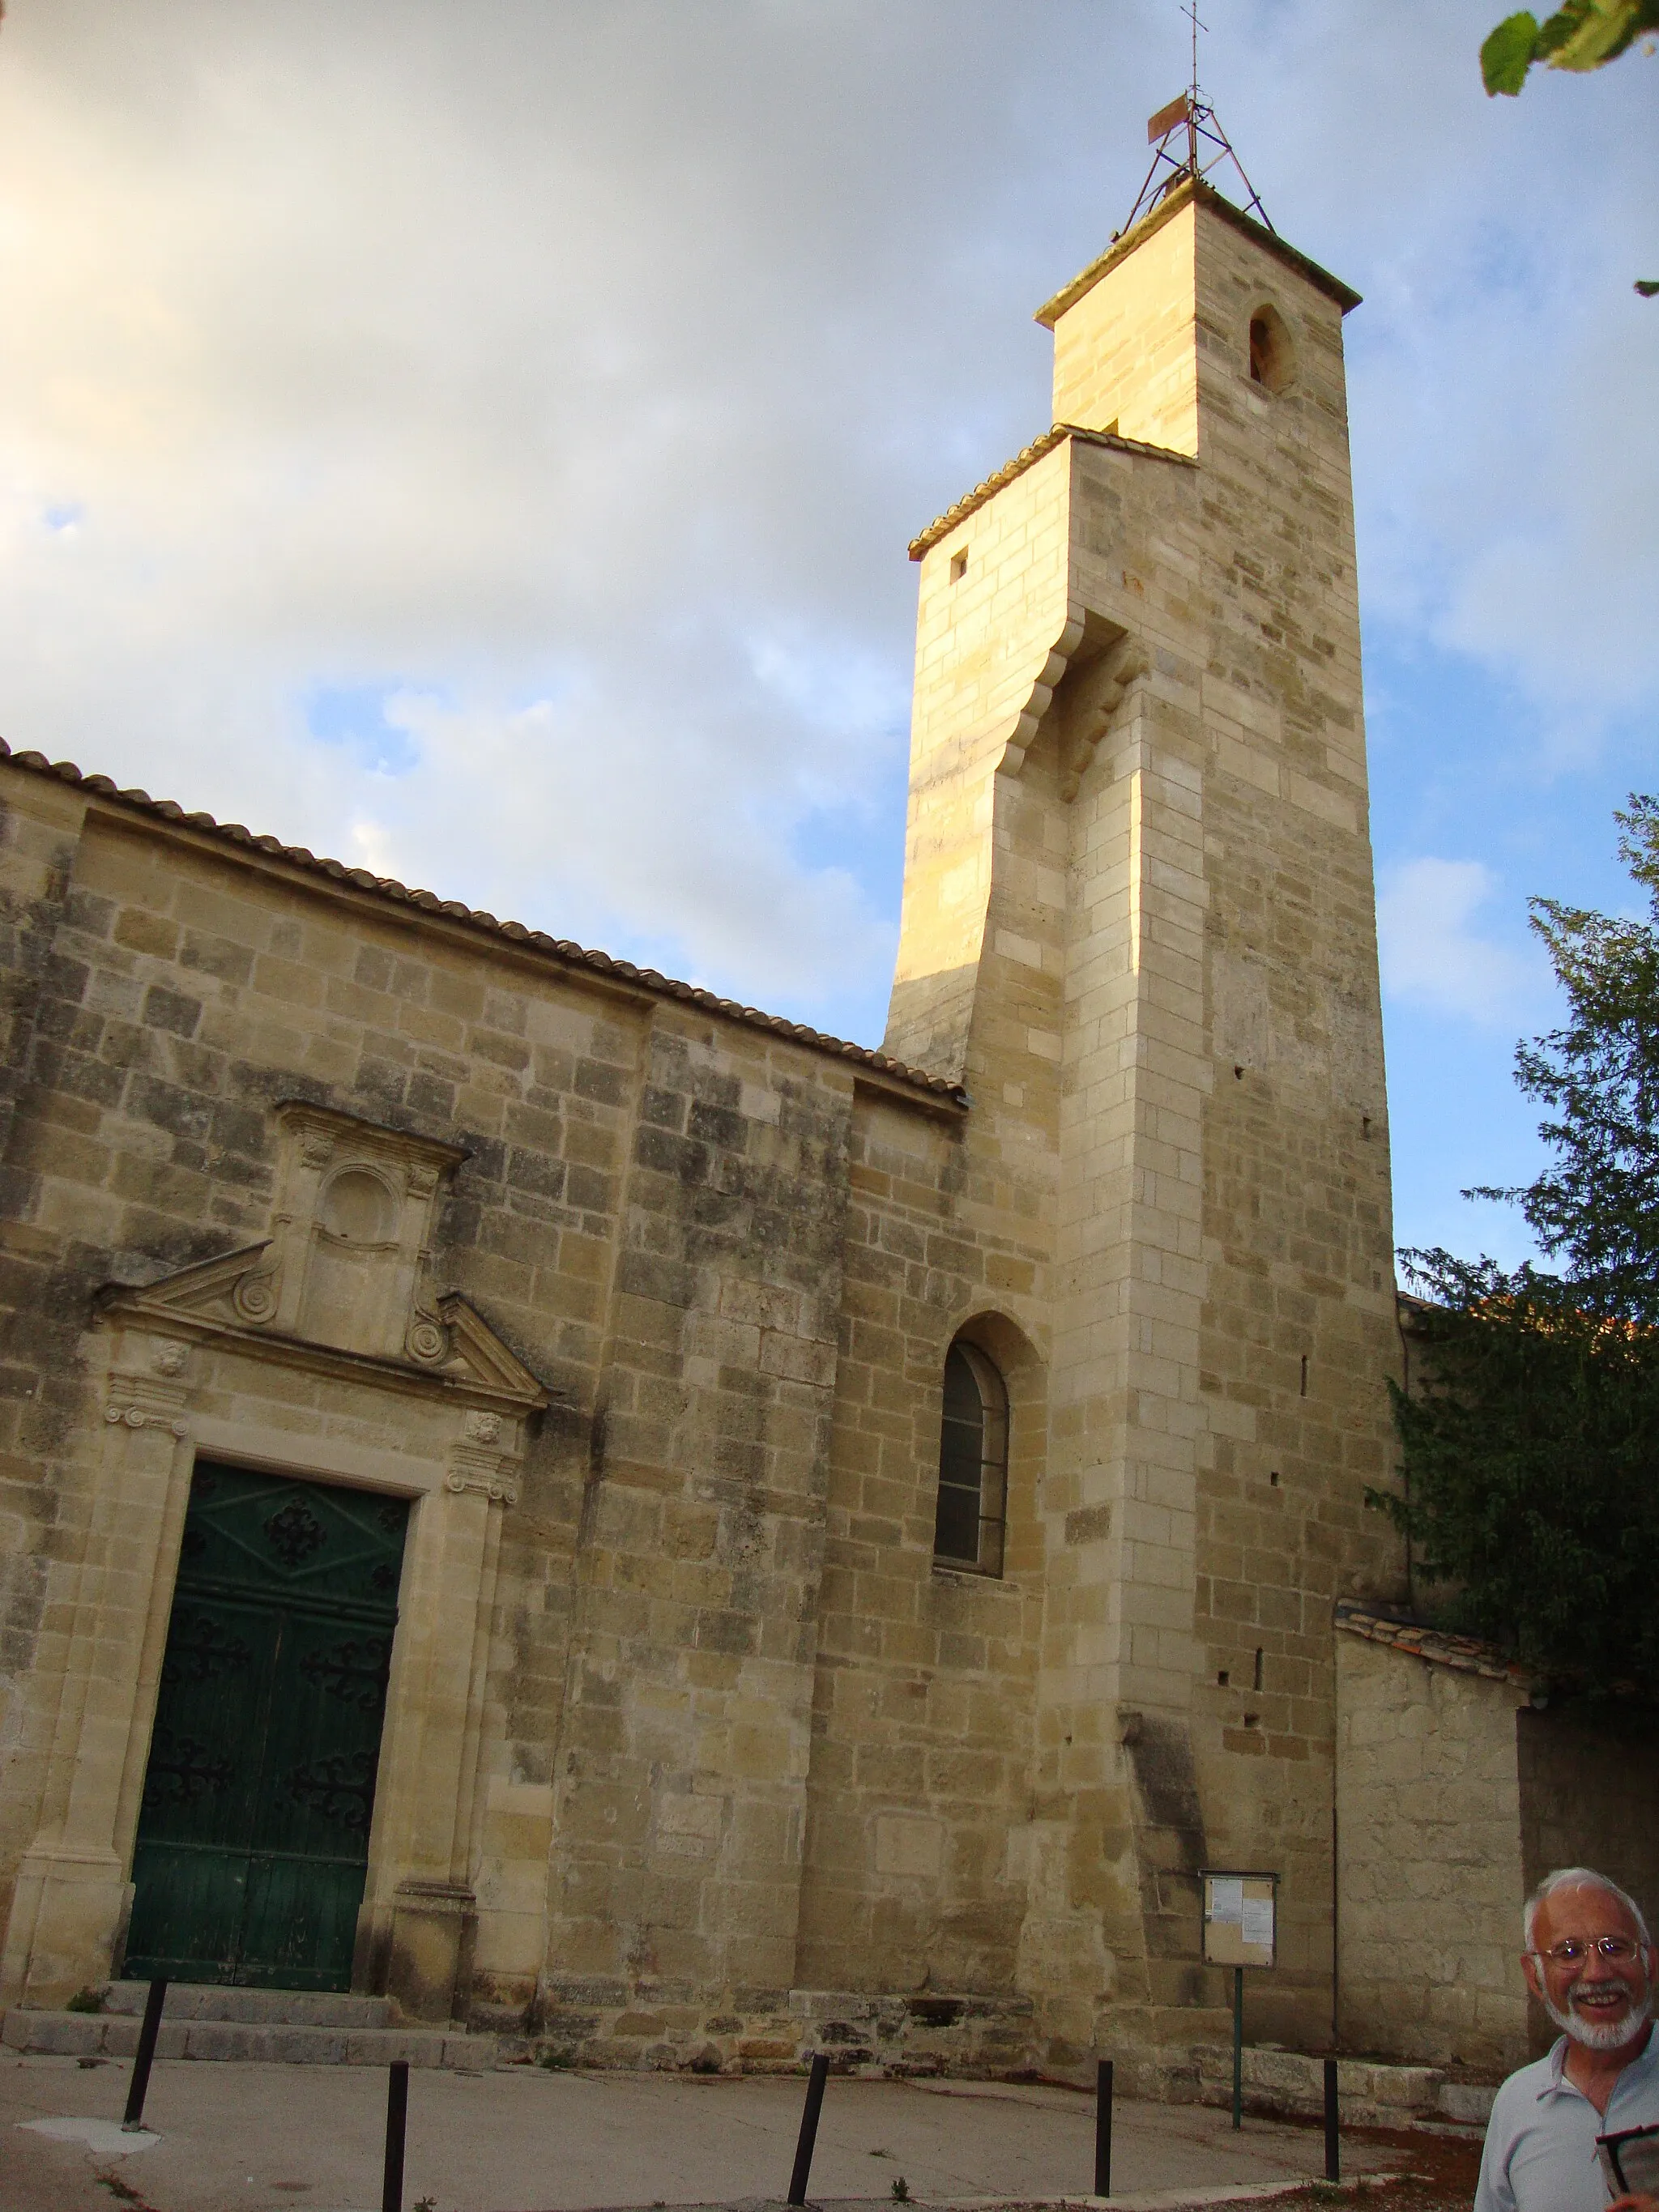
1582	34
1585	34
1647	286
1508	54
1556	30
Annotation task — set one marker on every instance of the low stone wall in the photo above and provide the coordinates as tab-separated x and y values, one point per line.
1429	1853
778	2030
1370	2093
974	2038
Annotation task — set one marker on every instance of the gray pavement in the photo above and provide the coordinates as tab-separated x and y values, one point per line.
253	2138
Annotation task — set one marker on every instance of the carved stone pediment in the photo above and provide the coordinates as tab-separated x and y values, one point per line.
343	1280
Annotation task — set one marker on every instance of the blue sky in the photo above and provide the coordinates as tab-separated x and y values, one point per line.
482	443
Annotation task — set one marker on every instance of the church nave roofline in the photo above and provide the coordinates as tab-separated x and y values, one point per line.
937	1091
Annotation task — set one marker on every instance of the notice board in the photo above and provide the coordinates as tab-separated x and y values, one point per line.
1240	1918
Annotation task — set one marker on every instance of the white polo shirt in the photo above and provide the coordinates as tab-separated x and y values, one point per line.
1540	2139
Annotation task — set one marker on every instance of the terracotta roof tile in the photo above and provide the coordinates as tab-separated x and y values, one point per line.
1269	241
1026	458
1437	1646
938	1088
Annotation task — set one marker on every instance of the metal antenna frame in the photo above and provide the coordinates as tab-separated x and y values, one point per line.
1189	142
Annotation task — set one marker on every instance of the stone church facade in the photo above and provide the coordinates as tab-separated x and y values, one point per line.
593	1510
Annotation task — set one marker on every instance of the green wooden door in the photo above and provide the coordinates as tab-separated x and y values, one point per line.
253	1834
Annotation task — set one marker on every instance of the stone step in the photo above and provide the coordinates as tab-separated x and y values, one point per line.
1373	2092
255	2008
115	2035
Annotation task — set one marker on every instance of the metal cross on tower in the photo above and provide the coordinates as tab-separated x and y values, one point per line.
1188	141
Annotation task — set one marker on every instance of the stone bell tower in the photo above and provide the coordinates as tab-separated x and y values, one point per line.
1140	927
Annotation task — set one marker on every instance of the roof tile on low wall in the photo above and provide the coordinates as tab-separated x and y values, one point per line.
1436	1645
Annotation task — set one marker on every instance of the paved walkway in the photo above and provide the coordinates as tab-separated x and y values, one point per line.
255	2138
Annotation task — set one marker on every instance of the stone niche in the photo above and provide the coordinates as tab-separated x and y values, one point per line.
347	1259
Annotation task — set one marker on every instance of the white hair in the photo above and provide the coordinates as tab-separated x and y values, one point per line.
1578	1878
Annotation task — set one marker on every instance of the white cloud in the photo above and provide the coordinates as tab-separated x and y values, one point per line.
1501	382
506	800
573	377
1432	955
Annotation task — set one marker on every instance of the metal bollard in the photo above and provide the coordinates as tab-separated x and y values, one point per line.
1333	2139
809	2126
133	2116
397	2118
1103	2128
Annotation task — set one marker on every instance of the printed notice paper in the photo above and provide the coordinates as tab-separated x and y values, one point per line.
1227	1899
1238	1920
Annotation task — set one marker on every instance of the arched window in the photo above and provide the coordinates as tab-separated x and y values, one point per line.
973	1462
1270	350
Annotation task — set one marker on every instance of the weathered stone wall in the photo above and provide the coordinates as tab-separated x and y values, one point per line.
736	1753
187	991
994	625
1589	1794
1298	1330
38	1398
1126	356
682	1768
1430	1808
926	1673
650	1210
1175	1044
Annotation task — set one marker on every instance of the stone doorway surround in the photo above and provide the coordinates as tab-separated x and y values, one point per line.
321	1353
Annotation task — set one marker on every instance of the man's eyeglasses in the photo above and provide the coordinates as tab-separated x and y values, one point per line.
1617	1950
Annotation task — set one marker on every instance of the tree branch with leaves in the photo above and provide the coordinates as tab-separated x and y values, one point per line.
1585	34
1529	1445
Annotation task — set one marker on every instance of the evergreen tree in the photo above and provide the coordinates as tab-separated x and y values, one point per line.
1530	1448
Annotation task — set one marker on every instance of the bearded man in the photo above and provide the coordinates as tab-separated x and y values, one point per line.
1590	1962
